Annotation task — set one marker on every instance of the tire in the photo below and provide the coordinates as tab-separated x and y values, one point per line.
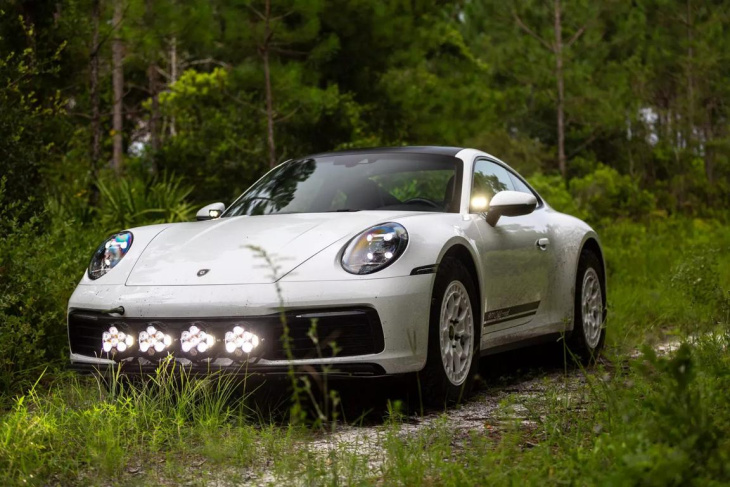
589	333
445	379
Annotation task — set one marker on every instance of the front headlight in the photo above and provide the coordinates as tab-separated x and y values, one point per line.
375	248
109	254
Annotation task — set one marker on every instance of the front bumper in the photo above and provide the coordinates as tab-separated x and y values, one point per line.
395	309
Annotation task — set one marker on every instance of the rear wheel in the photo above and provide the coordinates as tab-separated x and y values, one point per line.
453	338
589	333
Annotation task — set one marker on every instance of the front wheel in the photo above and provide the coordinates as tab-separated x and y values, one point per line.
589	332
453	338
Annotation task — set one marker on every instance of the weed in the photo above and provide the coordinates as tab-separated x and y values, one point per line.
650	420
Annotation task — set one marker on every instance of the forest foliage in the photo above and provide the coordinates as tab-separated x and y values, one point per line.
642	87
121	113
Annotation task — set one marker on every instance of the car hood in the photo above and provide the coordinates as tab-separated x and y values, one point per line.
231	250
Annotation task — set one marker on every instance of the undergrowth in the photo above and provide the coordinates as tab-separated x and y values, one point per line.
651	420
630	421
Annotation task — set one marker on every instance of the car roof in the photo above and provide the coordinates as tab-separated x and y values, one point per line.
413	149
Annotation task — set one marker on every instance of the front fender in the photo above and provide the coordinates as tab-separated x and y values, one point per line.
430	236
569	235
118	275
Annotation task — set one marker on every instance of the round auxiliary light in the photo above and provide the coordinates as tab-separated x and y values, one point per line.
194	340
153	340
240	341
113	339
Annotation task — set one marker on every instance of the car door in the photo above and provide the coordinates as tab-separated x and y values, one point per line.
515	253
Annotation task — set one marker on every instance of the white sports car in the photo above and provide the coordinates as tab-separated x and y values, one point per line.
371	262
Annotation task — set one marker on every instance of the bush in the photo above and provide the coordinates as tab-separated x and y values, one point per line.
39	269
607	194
653	273
552	189
43	256
131	202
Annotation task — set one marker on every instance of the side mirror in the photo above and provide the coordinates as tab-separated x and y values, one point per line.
210	212
510	203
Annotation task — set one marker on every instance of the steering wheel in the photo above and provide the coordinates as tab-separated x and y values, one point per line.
422	201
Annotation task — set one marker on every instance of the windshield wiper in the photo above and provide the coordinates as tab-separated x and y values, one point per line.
345	210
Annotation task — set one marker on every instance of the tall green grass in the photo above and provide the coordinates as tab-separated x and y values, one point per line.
665	276
630	421
78	429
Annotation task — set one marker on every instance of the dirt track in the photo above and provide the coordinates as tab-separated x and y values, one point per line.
508	392
512	390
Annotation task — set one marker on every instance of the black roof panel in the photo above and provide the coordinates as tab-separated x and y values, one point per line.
413	149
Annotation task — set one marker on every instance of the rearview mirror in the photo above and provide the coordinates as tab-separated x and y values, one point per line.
510	203
210	212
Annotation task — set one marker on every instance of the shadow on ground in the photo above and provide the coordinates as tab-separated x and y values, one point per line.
370	401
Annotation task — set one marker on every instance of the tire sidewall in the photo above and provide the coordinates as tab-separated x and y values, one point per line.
578	343
438	387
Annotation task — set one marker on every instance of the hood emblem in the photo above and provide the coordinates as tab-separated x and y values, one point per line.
203	272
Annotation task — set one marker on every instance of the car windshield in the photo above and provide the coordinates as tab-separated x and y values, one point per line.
355	182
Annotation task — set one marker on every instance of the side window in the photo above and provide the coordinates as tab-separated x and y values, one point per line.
519	185
524	188
490	179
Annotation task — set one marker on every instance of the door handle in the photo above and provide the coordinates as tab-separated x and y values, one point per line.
542	243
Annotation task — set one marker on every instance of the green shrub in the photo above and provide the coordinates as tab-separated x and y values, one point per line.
653	270
39	267
132	202
698	279
43	256
608	194
670	426
552	188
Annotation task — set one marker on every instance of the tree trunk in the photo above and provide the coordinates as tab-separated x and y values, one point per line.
94	93
690	80
173	76
561	91
153	83
118	86
94	88
154	122
269	96
709	136
269	113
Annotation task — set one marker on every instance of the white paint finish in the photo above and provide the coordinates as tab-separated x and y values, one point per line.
534	330
567	236
510	198
204	212
550	276
118	275
83	359
226	247
429	235
515	269
160	271
402	304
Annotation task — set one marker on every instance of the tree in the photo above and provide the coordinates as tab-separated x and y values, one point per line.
118	86
25	144
264	49
558	74
283	33
162	38
94	93
557	47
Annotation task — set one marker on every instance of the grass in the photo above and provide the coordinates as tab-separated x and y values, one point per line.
631	420
668	276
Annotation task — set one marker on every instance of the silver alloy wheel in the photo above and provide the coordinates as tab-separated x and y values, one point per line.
592	308
456	332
